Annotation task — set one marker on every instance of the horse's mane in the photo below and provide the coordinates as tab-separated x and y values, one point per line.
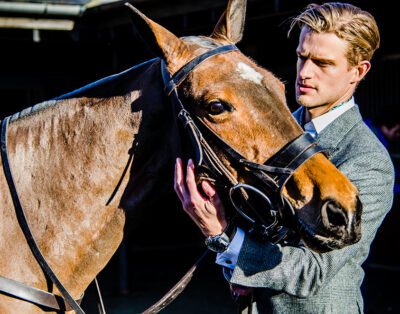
95	89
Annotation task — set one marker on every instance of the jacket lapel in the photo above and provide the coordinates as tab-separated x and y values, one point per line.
298	115
332	135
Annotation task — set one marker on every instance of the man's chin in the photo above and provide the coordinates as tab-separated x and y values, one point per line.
303	101
306	101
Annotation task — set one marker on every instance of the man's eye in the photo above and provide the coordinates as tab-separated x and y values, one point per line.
217	107
321	64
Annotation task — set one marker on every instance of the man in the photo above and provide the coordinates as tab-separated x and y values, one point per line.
335	47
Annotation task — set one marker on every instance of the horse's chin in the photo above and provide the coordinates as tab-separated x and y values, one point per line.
321	243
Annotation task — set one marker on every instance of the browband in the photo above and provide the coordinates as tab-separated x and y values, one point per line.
172	83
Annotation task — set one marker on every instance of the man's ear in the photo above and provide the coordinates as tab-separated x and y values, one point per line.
158	39
361	70
231	24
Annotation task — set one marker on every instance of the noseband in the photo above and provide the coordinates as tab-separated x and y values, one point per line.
272	175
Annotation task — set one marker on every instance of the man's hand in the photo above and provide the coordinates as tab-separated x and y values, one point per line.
207	212
238	290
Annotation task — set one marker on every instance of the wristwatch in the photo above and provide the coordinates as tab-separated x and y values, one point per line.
218	243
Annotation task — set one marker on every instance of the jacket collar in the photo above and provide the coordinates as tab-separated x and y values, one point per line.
332	135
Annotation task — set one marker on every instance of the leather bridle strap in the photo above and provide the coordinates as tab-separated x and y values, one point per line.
172	83
177	289
276	171
288	159
204	154
33	295
25	226
170	86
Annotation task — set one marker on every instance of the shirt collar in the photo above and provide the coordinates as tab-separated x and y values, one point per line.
317	124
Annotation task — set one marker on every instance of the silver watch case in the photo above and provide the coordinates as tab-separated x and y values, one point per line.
218	243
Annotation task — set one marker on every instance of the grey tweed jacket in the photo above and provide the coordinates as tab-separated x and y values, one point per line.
297	280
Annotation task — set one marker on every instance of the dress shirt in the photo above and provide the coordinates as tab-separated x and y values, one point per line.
316	125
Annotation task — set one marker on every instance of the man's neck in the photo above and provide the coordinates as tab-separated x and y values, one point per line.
321	122
312	113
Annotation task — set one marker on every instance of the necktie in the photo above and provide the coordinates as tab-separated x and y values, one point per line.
309	128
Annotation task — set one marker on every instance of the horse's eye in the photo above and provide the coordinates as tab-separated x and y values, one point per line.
217	107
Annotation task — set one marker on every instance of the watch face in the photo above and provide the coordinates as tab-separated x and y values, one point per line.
218	243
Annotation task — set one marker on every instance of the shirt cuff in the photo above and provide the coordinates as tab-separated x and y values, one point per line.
230	256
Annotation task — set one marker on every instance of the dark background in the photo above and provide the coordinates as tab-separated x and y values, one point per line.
38	65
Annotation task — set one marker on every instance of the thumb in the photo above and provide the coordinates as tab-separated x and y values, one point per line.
208	189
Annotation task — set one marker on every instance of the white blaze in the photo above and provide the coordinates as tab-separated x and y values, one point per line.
248	73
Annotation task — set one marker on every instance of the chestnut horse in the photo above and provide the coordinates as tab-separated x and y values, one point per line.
84	159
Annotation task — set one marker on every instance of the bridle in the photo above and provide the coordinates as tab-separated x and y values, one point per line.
272	176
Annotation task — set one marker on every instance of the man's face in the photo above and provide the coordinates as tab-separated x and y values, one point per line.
324	77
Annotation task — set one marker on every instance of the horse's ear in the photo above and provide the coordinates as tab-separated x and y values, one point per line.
159	40
231	24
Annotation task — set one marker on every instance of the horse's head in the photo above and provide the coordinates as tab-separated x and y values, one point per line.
245	105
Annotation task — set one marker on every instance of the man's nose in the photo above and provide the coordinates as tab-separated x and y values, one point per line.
305	70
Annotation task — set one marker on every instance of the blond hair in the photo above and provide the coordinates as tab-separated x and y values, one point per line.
357	27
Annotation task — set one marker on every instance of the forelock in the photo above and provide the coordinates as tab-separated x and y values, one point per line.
204	42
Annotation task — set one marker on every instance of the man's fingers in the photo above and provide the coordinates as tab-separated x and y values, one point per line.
191	181
208	189
186	189
240	290
179	184
202	211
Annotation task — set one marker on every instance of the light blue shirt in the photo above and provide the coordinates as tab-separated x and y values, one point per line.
229	258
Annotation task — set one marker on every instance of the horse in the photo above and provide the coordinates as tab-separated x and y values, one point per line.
81	161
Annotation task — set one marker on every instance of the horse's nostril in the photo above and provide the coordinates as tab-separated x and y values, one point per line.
333	215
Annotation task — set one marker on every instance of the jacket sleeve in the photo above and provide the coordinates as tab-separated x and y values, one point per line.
300	271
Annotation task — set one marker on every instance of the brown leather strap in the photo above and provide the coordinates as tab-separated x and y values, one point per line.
176	290
40	297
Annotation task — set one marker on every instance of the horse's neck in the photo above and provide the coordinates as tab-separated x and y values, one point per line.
74	173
